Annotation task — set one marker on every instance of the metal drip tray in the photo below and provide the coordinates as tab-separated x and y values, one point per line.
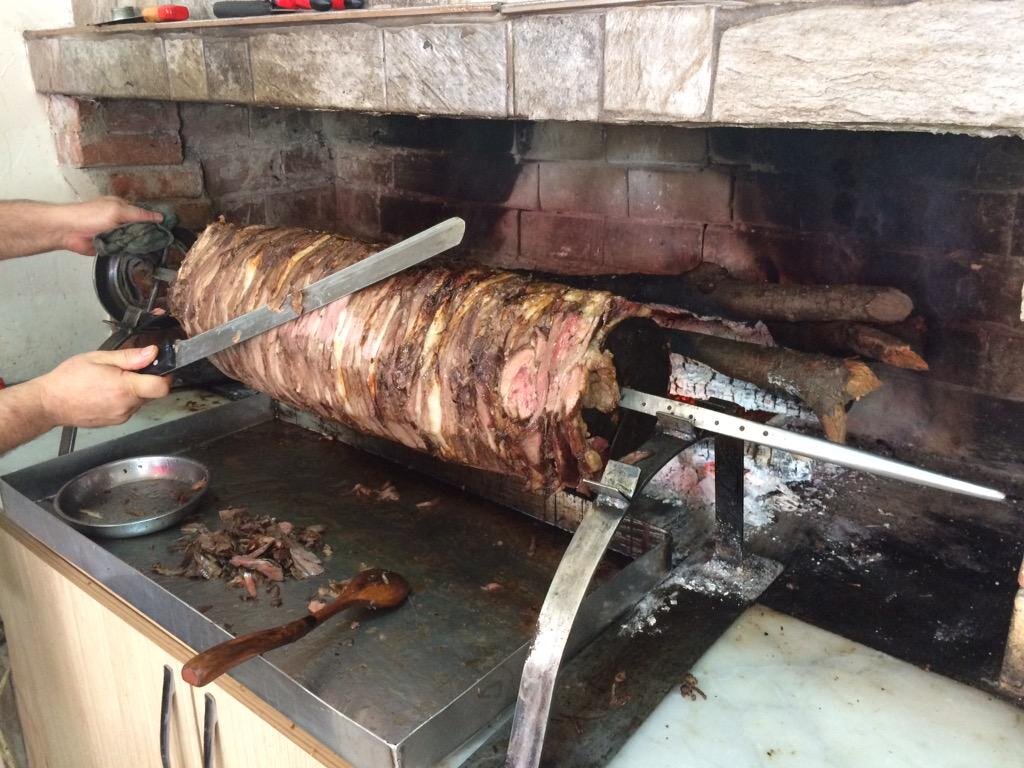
402	689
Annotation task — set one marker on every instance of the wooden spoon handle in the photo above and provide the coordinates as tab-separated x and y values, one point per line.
372	587
214	662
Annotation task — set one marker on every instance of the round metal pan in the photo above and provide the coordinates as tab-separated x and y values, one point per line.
132	497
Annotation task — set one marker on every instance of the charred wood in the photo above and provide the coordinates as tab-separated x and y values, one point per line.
849	338
825	384
692	378
913	331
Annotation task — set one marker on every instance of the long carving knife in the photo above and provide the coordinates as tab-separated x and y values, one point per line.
710	420
362	274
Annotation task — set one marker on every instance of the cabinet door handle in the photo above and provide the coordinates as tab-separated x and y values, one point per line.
166	705
209	730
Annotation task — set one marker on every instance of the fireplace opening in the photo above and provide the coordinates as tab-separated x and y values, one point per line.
706	215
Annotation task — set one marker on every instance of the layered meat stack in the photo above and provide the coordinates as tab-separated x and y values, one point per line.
485	368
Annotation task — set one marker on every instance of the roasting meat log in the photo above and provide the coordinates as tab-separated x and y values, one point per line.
485	368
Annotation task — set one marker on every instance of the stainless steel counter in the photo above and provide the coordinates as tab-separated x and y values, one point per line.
405	688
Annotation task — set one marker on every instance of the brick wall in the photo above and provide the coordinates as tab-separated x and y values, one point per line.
132	149
933	215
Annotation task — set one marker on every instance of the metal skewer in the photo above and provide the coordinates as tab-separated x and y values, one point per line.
710	420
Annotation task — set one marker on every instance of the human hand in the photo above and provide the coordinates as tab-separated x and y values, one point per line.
97	389
78	223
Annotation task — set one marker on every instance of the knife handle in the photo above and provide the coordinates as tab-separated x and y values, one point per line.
165	360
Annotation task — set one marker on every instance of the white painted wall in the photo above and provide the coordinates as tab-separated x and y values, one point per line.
47	307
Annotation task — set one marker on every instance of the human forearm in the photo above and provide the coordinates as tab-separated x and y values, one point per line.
28	227
95	389
23	415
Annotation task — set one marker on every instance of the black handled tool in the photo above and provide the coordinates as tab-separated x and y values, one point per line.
233	9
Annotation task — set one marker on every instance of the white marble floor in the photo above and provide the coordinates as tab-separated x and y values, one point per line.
783	693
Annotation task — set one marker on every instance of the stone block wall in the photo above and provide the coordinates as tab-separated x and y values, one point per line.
938	216
927	65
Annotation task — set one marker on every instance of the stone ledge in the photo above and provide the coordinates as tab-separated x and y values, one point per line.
931	65
941	63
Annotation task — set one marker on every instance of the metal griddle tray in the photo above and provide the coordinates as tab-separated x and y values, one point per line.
402	689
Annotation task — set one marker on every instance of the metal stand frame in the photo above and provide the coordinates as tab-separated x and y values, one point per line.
621	482
619	485
729	498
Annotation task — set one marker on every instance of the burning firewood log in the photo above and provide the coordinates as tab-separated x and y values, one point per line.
825	384
722	294
813	318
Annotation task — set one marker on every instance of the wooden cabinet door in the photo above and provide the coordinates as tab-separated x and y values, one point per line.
88	683
243	737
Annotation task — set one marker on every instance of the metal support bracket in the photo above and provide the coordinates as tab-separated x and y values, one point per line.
617	485
731	569
729	498
744	575
615	490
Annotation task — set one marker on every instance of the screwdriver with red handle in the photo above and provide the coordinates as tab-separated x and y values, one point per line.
165	13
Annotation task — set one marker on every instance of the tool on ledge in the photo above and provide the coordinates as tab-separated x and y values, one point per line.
128	14
362	274
679	426
373	588
232	9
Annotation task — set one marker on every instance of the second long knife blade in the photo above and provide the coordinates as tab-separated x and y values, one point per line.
812	447
362	274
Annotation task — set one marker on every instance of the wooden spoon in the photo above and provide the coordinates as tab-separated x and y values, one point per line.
373	588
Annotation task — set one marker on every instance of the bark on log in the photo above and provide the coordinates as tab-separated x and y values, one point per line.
849	338
795	303
825	384
485	368
710	290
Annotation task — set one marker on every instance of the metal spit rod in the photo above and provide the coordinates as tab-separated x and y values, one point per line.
710	420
